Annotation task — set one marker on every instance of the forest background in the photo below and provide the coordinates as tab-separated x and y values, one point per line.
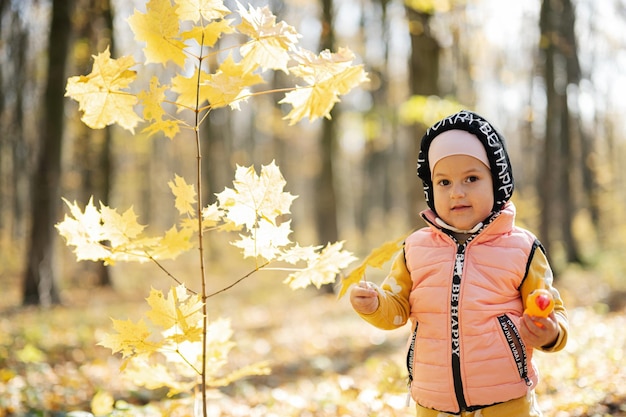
548	74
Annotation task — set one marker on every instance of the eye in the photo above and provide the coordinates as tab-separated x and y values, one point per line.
443	183
472	178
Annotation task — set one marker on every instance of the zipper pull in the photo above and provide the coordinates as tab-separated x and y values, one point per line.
458	265
408	398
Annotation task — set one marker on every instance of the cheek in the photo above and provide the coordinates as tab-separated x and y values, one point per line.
440	201
488	201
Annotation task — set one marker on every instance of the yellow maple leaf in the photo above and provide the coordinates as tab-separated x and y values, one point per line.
131	338
212	215
119	228
151	100
180	310
169	128
322	269
173	243
269	43
255	196
208	34
103	234
155	375
101	96
259	368
159	28
328	76
185	195
187	90
153	112
228	86
376	259
265	241
196	10
296	253
84	231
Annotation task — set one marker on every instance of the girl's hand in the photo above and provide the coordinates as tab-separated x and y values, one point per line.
538	331
364	298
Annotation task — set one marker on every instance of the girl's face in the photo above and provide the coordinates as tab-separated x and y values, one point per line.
462	190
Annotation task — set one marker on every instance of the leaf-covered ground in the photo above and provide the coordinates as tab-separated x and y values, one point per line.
326	361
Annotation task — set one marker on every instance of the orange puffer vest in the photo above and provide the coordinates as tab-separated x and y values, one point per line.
467	352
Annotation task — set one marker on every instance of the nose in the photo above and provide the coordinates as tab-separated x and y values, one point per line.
457	191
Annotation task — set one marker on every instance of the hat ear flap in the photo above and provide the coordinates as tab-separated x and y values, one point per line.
423	172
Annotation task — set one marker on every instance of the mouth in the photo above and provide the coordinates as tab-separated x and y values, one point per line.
460	208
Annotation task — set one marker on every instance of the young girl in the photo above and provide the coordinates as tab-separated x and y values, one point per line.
463	280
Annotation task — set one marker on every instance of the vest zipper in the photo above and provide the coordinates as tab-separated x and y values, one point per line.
455	325
410	357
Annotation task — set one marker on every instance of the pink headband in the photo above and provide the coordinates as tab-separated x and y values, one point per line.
456	142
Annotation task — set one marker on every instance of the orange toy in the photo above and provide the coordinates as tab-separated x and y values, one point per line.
539	303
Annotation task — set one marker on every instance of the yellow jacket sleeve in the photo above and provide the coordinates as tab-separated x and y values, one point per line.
540	276
393	297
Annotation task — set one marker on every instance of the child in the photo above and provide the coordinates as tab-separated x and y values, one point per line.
463	282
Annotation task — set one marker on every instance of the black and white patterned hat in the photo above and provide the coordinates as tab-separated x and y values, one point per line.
491	139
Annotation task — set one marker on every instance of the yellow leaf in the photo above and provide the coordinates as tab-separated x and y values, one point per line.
328	76
209	34
187	90
103	235
255	196
169	128
154	375
119	229
196	10
229	85
84	231
259	368
322	269
173	243
376	259
102	403
265	241
30	354
179	309
211	215
159	29
185	195
153	111
131	338
427	110
270	42
163	311
100	94
295	254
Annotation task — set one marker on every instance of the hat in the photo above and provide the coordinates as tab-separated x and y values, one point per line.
456	142
497	157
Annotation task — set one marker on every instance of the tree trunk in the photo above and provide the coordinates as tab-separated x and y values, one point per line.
424	80
559	204
546	182
93	147
39	282
326	202
14	167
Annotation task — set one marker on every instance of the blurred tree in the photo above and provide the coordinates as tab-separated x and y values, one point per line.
93	28
326	201
14	161
561	70
381	137
423	80
39	286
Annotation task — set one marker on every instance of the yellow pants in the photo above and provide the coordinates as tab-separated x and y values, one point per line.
520	407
